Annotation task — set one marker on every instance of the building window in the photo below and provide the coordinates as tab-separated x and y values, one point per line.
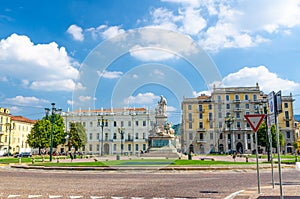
115	136
98	147
246	106
286	114
201	137
98	136
106	136
209	107
190	117
136	123
237	97
288	135
91	147
248	136
200	107
200	125
238	115
189	107
211	136
190	125
129	123
144	123
191	136
115	147
220	124
144	147
144	135
246	97
221	136
238	125
227	98
115	123
220	115
287	124
136	135
286	105
249	146
239	136
122	123
227	106
91	124
210	116
211	124
255	97
219	98
237	106
136	147
83	124
91	136
129	147
219	107
200	115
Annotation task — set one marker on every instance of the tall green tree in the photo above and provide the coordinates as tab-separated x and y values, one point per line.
262	136
77	136
40	134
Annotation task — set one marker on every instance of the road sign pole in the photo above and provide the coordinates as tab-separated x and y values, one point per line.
279	159
257	167
254	121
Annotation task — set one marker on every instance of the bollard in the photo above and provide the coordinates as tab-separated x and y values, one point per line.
247	159
20	160
57	160
43	159
32	161
118	157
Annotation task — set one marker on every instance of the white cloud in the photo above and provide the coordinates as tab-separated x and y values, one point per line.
21	100
268	81
35	64
76	32
85	98
58	85
196	94
104	31
229	24
110	74
150	54
142	98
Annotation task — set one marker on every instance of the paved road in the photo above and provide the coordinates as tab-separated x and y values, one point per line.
18	183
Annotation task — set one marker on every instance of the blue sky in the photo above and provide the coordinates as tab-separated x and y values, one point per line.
43	46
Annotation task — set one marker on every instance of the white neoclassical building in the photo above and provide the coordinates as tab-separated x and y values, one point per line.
113	131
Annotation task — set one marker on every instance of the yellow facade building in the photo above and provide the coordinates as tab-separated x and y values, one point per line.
13	132
216	123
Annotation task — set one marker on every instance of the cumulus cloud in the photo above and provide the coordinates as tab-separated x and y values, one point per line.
248	77
142	98
21	100
34	64
104	31
229	24
76	32
267	80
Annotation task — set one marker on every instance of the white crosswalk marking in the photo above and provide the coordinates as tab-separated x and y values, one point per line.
13	196
55	196
34	196
96	197
74	197
117	197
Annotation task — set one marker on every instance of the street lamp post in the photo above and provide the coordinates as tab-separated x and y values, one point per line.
121	131
9	136
54	111
229	121
102	126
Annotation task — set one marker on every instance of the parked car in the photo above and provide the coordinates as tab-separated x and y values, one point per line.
23	155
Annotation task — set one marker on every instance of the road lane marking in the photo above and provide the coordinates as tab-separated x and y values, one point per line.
13	196
55	196
74	197
34	196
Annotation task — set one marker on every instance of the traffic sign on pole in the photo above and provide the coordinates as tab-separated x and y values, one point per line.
254	120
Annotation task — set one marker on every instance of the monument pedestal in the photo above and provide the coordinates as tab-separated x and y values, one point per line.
162	146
